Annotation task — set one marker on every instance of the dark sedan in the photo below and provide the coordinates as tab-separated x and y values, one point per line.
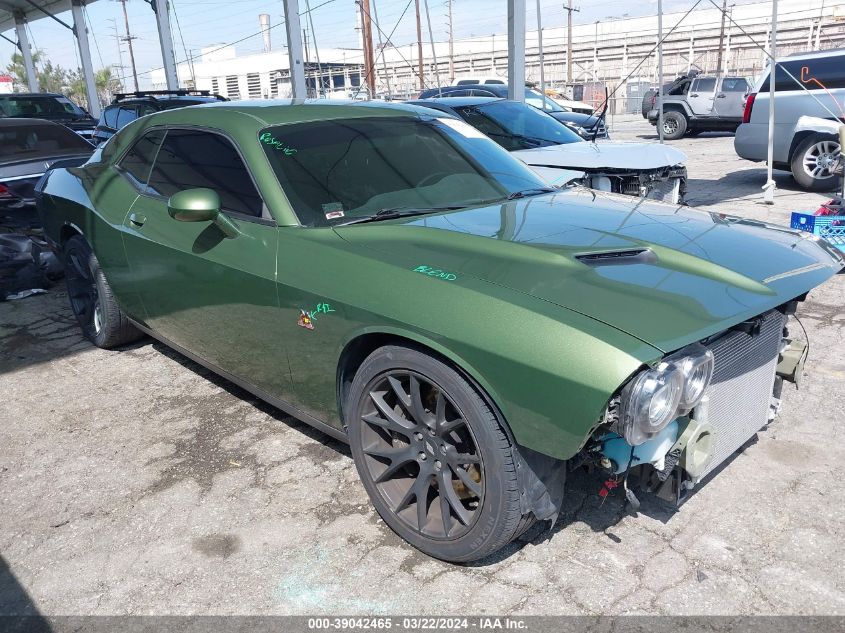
586	126
28	148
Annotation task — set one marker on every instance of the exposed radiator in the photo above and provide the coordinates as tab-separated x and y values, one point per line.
739	396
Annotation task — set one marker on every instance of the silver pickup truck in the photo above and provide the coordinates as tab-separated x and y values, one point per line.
710	104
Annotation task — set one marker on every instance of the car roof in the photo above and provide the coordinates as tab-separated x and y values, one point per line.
167	99
31	94
21	122
830	52
457	102
264	112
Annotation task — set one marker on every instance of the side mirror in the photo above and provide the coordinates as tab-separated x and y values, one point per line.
194	205
200	205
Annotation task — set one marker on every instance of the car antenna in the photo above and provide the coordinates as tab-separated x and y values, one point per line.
601	116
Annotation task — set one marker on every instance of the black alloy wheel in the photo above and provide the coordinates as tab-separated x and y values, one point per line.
92	300
83	292
435	459
421	454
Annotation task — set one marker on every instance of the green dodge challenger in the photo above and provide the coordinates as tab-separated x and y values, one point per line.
395	278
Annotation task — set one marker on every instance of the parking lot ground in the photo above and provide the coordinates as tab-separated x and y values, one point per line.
134	481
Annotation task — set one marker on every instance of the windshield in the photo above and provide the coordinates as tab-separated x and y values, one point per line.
58	107
338	170
515	126
32	141
538	100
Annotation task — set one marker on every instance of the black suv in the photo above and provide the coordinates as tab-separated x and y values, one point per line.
126	107
50	106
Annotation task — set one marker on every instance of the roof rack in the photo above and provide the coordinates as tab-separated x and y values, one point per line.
140	94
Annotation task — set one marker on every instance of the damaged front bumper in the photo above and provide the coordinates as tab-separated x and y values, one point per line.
666	184
743	397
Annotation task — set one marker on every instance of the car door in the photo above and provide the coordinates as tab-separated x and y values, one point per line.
730	98
701	95
212	295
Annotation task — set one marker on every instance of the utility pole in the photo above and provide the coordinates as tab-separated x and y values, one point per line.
121	68
569	11
320	87
128	39
721	37
369	60
307	58
419	46
451	44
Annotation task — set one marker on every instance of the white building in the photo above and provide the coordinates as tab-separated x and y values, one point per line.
264	75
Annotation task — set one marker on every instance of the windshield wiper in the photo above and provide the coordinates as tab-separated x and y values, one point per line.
399	212
534	191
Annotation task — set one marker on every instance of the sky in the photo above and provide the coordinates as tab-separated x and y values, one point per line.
201	23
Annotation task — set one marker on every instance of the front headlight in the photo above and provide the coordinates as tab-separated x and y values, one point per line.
650	401
657	396
697	367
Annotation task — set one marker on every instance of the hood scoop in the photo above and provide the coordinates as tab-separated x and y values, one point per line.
618	258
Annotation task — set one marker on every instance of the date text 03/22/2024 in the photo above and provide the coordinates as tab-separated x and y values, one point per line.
417	623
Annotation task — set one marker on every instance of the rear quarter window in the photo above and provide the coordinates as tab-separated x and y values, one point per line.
26	141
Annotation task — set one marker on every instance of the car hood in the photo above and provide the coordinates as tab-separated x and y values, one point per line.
634	156
579	118
666	275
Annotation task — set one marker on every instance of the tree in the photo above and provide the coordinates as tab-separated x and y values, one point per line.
17	70
70	83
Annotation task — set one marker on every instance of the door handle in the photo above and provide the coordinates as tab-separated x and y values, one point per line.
721	96
137	219
694	94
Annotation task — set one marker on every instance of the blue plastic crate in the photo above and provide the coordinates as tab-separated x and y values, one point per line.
830	227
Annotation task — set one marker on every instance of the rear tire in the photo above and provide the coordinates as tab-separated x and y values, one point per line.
814	162
91	298
674	125
418	429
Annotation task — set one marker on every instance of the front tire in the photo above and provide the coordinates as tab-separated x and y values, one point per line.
674	125
92	300
814	162
435	461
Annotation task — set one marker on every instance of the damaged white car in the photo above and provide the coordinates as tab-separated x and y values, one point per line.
561	157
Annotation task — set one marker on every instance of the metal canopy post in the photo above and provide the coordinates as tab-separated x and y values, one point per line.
516	50
85	58
162	11
660	69
26	53
770	186
297	68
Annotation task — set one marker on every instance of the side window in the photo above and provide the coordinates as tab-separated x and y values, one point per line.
125	116
704	85
110	117
734	84
812	74
139	160
193	158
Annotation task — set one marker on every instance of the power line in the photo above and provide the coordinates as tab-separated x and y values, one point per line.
243	39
